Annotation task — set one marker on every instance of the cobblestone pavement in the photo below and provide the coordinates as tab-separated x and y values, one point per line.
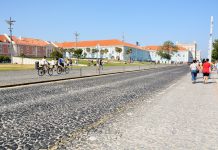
40	116
183	116
26	76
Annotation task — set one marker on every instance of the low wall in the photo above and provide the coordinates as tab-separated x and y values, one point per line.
19	60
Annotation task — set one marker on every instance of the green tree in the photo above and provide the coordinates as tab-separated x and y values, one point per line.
78	53
72	50
163	54
128	52
56	54
88	50
102	51
85	54
118	50
22	55
167	50
215	50
169	47
106	50
94	50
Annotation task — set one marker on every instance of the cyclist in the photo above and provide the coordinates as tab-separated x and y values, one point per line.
53	63
61	62
44	63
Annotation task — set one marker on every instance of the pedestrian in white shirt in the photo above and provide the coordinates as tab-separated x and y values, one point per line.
194	68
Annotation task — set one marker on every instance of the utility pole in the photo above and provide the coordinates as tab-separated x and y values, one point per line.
10	23
76	38
195	50
211	39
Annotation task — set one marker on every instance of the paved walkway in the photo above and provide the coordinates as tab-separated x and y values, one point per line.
184	116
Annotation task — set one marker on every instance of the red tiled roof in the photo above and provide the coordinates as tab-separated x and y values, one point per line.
29	41
152	47
3	38
155	48
112	42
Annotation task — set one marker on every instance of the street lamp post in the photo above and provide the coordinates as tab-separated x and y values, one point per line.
195	50
10	23
211	40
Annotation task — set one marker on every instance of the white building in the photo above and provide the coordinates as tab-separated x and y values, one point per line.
192	47
30	47
89	49
181	56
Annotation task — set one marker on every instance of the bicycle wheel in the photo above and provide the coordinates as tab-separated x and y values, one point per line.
41	72
59	70
67	70
50	71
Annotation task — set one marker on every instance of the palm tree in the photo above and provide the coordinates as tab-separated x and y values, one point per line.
94	51
102	53
118	50
128	52
72	50
22	55
105	51
88	50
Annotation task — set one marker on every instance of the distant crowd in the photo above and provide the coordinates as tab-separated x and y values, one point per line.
205	67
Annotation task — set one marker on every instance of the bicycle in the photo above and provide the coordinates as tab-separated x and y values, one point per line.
42	71
61	69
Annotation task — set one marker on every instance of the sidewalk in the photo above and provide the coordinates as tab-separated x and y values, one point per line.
184	116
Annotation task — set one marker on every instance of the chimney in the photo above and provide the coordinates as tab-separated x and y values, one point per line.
137	43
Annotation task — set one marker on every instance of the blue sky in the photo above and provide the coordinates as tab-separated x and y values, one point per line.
150	22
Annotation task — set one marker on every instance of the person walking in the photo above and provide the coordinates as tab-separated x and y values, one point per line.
194	69
206	70
216	66
101	64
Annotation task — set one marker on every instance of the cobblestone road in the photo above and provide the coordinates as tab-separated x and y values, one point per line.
26	76
183	116
34	117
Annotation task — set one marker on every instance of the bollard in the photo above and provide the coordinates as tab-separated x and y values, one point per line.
80	70
139	67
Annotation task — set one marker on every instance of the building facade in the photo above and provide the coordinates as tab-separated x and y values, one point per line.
192	47
4	46
29	47
183	55
93	49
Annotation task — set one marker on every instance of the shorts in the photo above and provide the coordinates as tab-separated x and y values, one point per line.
206	74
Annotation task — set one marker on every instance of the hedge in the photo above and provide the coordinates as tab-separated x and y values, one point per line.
4	59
